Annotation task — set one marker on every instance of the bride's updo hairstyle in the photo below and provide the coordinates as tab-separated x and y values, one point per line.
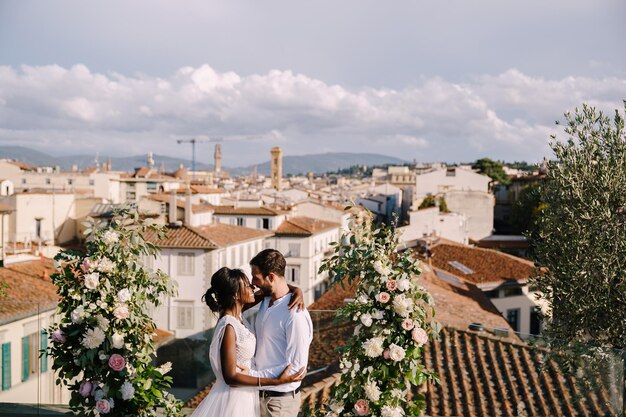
225	285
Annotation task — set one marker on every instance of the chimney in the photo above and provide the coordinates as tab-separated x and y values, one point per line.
172	210
188	212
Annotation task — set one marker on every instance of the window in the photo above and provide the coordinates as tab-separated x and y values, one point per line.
92	182
6	366
70	181
239	221
294	249
43	347
184	315
30	354
292	273
451	172
512	291
512	316
151	186
185	263
535	321
48	181
266	223
130	195
23	181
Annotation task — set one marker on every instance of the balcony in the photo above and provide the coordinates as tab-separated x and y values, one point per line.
483	372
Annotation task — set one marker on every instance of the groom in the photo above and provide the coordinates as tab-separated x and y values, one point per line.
283	335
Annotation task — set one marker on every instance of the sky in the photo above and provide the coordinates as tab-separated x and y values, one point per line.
420	80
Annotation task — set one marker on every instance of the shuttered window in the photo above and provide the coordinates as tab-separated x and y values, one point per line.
6	366
43	352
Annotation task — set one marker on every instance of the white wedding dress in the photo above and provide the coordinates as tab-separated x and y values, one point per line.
223	400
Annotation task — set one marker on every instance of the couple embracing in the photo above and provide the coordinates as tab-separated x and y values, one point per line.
258	372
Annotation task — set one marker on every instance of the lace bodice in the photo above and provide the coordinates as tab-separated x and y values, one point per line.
245	339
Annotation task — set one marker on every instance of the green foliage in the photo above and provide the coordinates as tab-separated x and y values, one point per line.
382	361
431	201
104	296
581	235
493	169
526	210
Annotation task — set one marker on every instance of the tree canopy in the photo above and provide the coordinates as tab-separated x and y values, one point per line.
581	234
493	169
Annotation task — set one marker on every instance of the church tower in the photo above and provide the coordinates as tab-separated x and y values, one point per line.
276	164
218	158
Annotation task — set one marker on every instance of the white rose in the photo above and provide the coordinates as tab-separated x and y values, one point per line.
336	407
373	347
117	340
357	330
103	322
378	314
381	269
110	237
366	319
105	265
93	338
165	368
121	312
404	284
92	280
362	299
396	353
78	314
388	411
402	305
127	391
372	391
397	393
123	295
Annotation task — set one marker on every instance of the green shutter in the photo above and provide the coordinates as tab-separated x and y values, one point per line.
6	366
43	342
25	359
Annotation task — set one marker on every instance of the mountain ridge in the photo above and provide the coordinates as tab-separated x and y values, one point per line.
292	164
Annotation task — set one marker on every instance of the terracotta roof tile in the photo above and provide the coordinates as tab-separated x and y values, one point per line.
181	237
486	265
304	226
30	289
226	234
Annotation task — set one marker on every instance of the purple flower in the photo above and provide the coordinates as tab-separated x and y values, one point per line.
58	336
85	388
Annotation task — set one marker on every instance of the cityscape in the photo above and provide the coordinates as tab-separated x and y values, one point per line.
428	203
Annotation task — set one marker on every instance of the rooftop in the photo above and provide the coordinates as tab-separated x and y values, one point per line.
181	237
304	226
225	234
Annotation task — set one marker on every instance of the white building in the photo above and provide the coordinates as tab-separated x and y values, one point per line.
190	255
305	242
326	211
25	312
465	192
431	222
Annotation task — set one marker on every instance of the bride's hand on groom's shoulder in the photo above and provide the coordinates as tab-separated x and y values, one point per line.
286	378
297	300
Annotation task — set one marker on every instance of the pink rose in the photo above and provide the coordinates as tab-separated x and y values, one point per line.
386	354
362	408
407	324
58	336
383	297
392	285
419	336
103	406
86	265
117	362
85	388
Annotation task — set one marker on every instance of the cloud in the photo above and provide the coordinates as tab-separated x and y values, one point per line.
74	110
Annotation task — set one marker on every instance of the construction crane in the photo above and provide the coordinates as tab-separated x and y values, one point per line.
193	142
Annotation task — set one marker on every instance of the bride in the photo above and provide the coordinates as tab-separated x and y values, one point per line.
235	393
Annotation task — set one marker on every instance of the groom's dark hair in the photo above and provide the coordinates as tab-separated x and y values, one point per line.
270	260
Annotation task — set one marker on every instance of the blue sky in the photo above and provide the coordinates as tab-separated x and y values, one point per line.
448	80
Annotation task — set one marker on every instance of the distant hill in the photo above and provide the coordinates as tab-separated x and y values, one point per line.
322	163
300	164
